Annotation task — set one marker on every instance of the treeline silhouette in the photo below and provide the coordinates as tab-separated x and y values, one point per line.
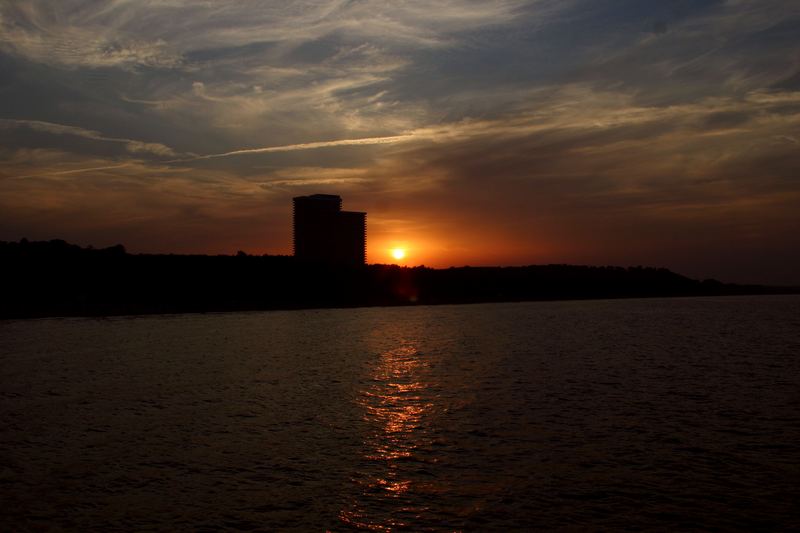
55	278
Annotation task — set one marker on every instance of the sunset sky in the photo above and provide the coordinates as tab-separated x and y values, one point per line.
625	132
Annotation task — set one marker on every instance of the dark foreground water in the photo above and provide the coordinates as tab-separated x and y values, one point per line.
667	414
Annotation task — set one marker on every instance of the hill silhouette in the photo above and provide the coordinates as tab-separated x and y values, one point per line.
55	278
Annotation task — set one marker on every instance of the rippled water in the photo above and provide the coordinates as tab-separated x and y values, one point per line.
665	414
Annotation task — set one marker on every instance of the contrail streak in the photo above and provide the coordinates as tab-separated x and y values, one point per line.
266	150
132	145
304	146
73	171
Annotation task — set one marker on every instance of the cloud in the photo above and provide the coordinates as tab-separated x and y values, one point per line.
127	33
81	170
304	176
603	179
306	146
131	145
85	47
148	207
505	131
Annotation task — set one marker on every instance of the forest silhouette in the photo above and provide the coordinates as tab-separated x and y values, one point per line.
55	278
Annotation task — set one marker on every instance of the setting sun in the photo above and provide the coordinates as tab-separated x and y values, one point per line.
398	253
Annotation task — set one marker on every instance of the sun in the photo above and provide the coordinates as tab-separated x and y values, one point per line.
398	253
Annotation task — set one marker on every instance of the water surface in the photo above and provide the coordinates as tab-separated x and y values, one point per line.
661	413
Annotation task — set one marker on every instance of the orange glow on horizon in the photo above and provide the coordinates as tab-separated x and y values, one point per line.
397	241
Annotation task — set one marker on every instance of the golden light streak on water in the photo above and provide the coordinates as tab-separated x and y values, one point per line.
394	403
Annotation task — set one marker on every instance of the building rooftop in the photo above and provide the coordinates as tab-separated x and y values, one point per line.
320	197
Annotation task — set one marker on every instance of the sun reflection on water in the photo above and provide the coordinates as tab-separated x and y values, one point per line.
395	401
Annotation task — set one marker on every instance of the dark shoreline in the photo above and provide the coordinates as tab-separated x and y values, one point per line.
389	306
57	279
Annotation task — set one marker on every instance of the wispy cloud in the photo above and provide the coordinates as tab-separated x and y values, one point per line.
81	170
87	47
305	146
132	145
142	33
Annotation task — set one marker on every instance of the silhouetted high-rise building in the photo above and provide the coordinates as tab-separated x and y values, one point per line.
324	233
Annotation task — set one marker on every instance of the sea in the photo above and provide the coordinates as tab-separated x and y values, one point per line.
640	414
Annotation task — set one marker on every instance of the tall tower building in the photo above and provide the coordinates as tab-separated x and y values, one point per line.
323	233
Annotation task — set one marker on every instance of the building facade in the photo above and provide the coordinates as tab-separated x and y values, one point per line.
323	233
